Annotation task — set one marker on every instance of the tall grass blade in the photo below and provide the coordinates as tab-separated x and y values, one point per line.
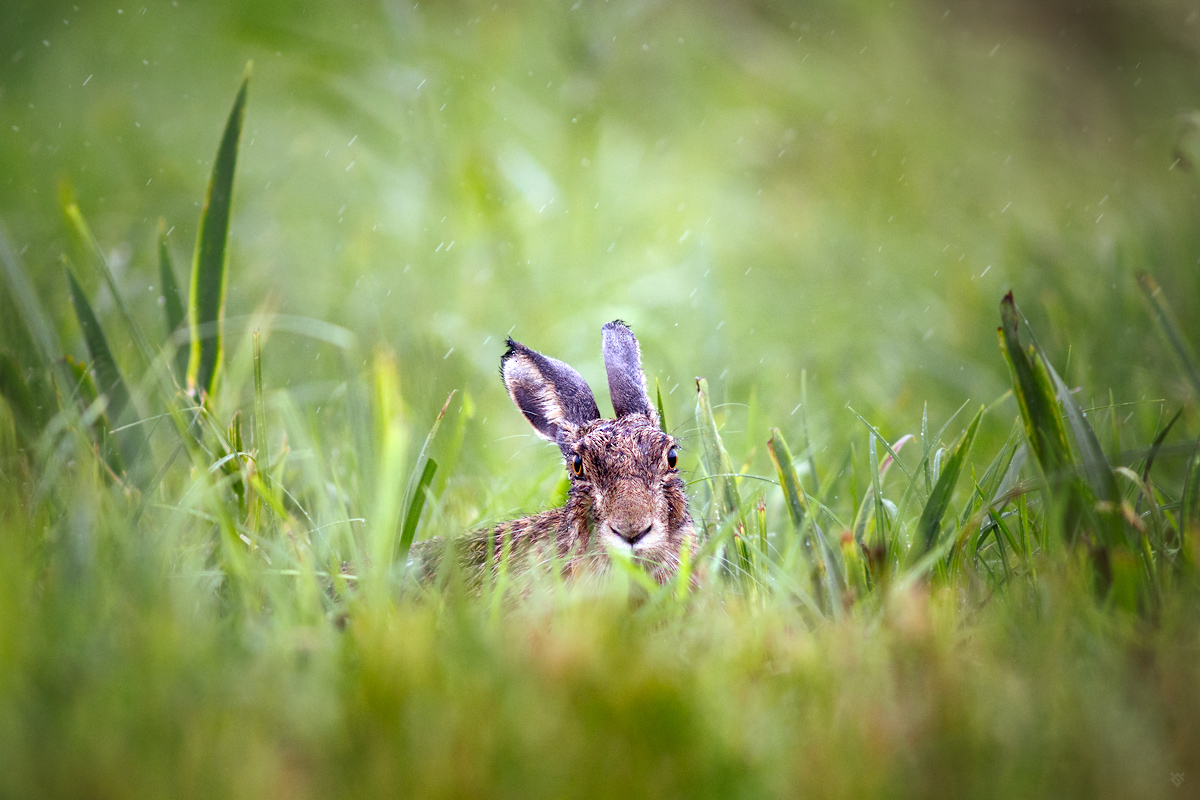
14	388
172	299
418	481
827	559
28	415
206	298
808	448
1190	512
1039	411
108	376
999	476
929	526
1095	466
416	503
726	500
892	452
233	461
921	566
877	492
82	389
1170	328
1157	444
389	439
880	471
662	415
877	548
716	460
41	332
925	446
789	481
79	227
262	456
1096	469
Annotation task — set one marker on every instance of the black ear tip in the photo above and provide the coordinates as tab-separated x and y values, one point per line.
616	324
512	347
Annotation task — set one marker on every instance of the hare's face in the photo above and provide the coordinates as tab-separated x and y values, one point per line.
625	489
627	467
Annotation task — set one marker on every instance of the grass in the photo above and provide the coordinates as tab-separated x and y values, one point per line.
981	581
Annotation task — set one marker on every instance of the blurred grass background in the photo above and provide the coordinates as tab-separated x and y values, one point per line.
764	191
759	189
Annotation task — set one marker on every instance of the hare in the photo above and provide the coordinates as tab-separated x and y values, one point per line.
625	492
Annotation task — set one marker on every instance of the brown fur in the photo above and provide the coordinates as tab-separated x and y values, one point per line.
626	496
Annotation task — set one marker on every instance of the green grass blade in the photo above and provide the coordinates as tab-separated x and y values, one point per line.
923	565
828	559
930	523
1039	411
716	460
1096	469
37	323
416	505
233	460
206	297
1157	444
998	472
877	493
108	376
793	492
262	456
1170	328
414	494
879	554
893	452
926	445
172	299
1190	516
388	441
83	390
79	227
880	471
28	414
808	447
662	415
1095	466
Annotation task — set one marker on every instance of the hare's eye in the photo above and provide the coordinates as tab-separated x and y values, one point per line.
577	465
672	457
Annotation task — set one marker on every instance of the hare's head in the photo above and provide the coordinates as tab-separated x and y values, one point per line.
625	487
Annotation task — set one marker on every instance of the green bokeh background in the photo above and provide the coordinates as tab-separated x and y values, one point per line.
819	196
762	190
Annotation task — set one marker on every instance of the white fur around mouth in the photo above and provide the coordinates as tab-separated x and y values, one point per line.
647	542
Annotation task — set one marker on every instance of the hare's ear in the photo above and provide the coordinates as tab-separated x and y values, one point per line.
623	361
552	396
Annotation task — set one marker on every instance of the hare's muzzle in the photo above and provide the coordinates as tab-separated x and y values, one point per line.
630	511
633	535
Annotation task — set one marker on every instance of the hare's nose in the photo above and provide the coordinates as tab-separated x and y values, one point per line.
633	534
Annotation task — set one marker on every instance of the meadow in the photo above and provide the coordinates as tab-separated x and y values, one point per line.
917	287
